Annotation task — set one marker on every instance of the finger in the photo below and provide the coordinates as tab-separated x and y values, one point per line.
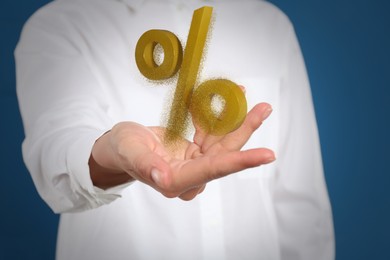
206	140
204	169
255	117
192	193
201	189
199	135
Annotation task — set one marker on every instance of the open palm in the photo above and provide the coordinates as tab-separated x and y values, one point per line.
183	169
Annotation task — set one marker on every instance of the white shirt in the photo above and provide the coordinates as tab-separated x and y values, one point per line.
77	77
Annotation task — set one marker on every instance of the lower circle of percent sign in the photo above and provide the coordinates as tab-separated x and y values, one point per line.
198	101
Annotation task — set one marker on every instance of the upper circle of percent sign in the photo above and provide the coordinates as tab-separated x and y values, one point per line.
188	98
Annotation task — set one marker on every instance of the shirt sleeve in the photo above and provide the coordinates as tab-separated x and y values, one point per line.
302	207
63	110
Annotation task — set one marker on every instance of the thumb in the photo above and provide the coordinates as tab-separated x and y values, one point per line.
147	166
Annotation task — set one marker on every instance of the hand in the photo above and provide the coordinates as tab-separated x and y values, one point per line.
179	170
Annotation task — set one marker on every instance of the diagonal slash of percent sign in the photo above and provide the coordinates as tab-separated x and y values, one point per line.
188	98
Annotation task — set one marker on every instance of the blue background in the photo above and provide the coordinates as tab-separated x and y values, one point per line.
346	47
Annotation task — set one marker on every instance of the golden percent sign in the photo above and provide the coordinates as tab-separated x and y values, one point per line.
198	101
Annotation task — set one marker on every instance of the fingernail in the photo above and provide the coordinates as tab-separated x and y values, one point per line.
156	176
266	113
271	159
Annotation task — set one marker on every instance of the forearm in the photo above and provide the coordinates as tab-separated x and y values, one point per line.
64	111
57	161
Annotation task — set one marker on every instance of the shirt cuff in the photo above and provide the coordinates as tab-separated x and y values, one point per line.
88	196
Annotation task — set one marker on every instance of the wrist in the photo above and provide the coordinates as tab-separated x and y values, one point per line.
104	171
103	154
